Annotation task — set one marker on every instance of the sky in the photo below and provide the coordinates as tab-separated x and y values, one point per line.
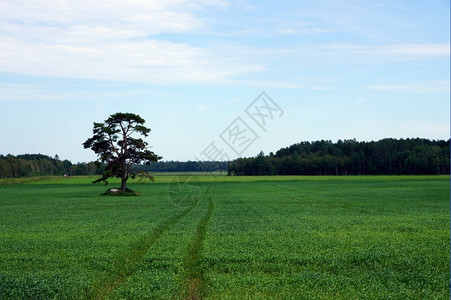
219	79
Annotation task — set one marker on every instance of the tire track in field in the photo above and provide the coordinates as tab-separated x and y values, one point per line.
125	266
193	275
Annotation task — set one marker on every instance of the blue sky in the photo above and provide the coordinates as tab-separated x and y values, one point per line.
337	69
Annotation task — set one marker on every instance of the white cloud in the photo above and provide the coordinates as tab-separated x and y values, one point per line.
204	107
109	40
418	87
298	27
386	51
415	49
151	16
65	92
132	41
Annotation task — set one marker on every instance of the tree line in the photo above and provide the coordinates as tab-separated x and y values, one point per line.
350	157
43	165
184	166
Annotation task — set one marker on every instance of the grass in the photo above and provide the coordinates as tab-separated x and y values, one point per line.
296	237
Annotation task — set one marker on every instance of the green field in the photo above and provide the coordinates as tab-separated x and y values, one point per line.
227	238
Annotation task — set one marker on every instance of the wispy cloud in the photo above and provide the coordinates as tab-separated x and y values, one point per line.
139	41
113	41
384	52
36	92
204	107
150	16
418	87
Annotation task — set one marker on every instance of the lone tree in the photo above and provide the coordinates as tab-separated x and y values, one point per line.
112	141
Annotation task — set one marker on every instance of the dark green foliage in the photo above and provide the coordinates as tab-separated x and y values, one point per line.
115	145
43	165
57	286
184	166
349	157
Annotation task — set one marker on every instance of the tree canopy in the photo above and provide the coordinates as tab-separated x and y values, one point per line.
115	144
350	157
43	165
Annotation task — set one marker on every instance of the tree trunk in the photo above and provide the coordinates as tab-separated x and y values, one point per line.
124	178
123	182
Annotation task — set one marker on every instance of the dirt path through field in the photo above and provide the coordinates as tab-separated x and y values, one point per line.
193	274
125	266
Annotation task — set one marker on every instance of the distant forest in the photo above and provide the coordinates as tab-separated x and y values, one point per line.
43	165
350	157
184	166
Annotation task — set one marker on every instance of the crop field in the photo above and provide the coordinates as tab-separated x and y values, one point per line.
219	237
